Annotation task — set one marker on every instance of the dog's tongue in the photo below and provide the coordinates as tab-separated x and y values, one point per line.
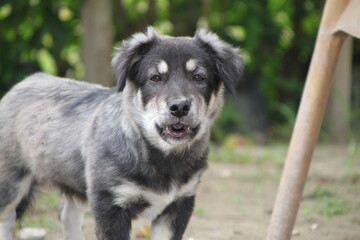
178	126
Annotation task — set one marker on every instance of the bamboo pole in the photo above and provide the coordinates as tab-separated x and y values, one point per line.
337	116
308	122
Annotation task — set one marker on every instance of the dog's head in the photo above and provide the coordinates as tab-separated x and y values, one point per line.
176	83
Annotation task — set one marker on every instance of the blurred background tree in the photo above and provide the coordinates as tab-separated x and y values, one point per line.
74	38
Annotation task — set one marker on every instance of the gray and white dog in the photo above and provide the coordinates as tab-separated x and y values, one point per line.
135	150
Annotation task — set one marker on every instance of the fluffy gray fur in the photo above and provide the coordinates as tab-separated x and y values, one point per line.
137	149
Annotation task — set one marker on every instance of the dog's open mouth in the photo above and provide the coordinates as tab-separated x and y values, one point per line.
177	131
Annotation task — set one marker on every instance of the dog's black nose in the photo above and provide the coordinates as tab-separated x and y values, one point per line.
179	108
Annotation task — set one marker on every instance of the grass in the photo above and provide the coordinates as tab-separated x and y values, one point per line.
326	203
352	178
49	200
248	154
332	206
199	211
320	193
356	220
41	220
47	212
229	155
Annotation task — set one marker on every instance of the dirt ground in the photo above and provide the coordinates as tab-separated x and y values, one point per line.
236	196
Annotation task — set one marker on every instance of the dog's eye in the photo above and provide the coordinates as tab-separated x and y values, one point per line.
198	77
156	78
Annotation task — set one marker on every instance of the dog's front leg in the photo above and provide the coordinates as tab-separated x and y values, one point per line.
171	224
112	222
72	217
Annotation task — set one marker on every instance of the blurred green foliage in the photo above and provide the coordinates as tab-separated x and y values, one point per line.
38	36
276	38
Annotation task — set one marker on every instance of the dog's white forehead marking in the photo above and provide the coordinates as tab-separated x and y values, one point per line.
163	67
191	64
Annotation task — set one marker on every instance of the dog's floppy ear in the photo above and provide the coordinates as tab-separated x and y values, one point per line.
228	60
130	52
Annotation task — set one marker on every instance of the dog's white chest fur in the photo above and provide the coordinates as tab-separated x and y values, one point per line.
129	192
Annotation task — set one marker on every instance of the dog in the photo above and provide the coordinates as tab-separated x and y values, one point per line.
135	150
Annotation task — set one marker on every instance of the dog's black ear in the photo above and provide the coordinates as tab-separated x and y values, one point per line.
129	53
228	60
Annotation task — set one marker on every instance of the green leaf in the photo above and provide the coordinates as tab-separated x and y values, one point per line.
46	61
5	11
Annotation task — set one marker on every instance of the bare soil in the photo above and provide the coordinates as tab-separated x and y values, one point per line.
235	198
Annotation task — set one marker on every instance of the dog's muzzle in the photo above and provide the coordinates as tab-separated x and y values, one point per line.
177	133
179	128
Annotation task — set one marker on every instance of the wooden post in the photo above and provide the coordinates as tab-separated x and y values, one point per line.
97	41
308	122
337	119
